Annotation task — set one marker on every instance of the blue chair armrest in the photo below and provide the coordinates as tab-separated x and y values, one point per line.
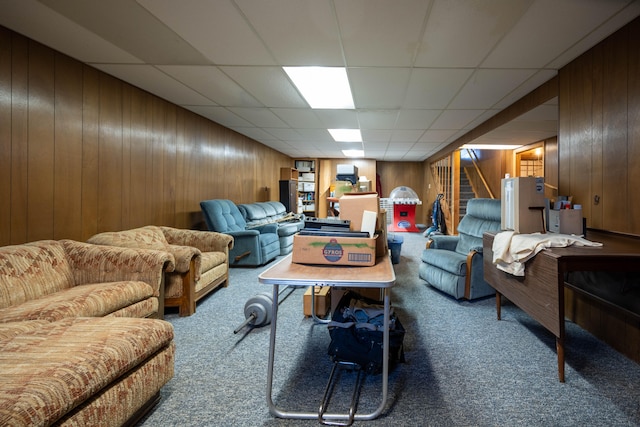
445	242
267	228
243	233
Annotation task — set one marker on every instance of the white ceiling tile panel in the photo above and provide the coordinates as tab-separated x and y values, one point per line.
297	32
59	32
212	83
531	44
437	136
151	79
261	117
220	115
377	87
406	135
385	119
460	33
600	32
455	119
285	134
486	87
381	32
255	133
338	119
537	79
416	119
210	26
431	88
268	85
316	135
298	117
381	146
376	135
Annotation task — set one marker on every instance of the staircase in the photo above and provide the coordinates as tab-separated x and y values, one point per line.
466	193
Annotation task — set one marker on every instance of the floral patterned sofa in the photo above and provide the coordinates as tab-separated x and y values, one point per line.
201	260
77	344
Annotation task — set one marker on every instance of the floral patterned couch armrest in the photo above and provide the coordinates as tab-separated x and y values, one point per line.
206	241
183	256
93	263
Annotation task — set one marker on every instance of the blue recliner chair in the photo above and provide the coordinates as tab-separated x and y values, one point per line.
252	247
453	264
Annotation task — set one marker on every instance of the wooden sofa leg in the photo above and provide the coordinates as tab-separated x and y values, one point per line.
188	300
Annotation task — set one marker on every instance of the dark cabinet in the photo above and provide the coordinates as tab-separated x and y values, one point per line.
289	195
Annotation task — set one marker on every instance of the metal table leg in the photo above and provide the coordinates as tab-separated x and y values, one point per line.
281	413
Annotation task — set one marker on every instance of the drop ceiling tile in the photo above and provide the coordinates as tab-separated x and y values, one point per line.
530	46
299	117
416	119
255	133
375	145
155	81
297	32
338	119
61	33
380	32
599	33
486	87
120	22
434	88
378	119
455	119
220	115
378	87
284	134
260	117
212	83
209	26
268	85
461	33
406	135
484	116
376	135
437	136
316	135
537	79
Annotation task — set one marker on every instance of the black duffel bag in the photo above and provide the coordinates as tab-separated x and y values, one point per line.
356	330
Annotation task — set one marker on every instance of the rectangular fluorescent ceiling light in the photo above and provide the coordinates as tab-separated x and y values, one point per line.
322	87
346	135
490	146
353	153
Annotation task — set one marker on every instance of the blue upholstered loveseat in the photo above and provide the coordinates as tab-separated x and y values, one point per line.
453	264
251	246
261	213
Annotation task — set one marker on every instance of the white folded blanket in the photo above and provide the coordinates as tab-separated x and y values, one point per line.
511	250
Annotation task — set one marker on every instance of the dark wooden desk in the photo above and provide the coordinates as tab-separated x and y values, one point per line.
540	293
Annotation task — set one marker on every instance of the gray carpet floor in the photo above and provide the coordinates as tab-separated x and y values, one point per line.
463	367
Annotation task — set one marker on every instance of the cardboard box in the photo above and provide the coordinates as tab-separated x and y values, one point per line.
331	250
352	206
322	298
376	294
565	221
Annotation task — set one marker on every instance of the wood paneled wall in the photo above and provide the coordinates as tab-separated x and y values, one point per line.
82	152
599	132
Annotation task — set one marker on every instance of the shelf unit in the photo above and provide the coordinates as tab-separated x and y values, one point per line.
307	186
